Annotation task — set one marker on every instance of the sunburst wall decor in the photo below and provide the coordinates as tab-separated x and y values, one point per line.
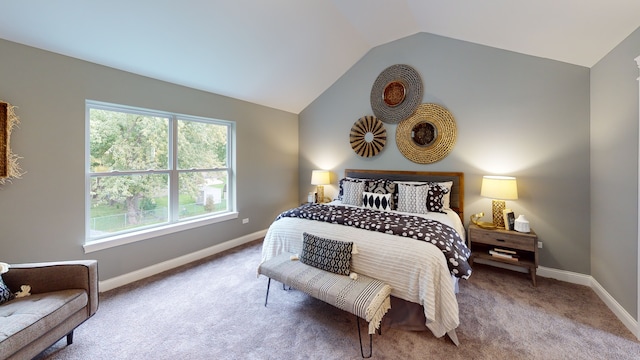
368	136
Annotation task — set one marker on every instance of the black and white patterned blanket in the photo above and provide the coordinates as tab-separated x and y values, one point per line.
410	226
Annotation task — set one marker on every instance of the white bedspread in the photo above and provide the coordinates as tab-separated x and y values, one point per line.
416	270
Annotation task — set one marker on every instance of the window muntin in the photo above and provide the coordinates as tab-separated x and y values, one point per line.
148	169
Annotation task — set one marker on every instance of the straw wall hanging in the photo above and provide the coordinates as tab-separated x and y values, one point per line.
428	135
396	93
9	168
368	136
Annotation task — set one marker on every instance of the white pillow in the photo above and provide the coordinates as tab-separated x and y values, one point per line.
412	182
412	198
376	201
447	197
352	193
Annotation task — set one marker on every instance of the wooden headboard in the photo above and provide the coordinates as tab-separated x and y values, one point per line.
457	191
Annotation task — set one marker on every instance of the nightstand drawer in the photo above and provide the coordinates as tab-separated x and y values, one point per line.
504	239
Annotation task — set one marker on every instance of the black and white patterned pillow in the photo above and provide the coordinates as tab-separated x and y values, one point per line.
352	192
5	292
344	181
446	199
326	254
382	186
435	197
412	198
376	201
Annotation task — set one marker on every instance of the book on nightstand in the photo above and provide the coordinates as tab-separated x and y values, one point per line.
504	254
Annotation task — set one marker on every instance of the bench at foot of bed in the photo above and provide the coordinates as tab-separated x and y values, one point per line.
365	297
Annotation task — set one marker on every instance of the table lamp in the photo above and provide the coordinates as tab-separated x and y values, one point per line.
320	178
499	189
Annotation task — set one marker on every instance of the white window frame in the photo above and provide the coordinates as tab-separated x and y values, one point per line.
175	224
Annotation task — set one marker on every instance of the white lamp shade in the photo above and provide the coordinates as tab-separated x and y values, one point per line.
320	177
499	187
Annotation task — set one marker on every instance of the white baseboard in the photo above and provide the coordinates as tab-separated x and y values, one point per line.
588	280
566	276
621	313
121	280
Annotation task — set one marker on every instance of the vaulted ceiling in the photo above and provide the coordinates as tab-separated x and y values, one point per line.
285	53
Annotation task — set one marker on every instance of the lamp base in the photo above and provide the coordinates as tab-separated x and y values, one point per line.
320	194
498	206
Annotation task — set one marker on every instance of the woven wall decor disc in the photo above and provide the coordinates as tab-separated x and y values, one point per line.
440	142
368	136
396	93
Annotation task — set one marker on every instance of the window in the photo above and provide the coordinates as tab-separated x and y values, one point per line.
149	170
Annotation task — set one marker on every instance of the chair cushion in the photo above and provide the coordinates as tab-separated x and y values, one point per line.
27	318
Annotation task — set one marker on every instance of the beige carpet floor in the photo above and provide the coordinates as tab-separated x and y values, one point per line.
214	309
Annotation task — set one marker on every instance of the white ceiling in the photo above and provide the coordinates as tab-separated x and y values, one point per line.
285	53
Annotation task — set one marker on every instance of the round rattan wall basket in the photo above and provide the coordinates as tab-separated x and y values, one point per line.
428	135
368	136
396	93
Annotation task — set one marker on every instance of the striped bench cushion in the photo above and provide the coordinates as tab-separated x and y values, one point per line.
365	297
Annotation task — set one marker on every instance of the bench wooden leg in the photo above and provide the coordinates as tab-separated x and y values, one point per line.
360	338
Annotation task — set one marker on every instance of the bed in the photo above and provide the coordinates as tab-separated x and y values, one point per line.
422	264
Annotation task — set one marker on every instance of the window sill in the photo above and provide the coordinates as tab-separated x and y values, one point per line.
123	239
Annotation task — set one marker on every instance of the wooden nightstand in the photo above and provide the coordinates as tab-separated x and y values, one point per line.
523	245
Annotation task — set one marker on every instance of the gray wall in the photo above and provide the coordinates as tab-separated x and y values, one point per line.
42	214
516	115
614	172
